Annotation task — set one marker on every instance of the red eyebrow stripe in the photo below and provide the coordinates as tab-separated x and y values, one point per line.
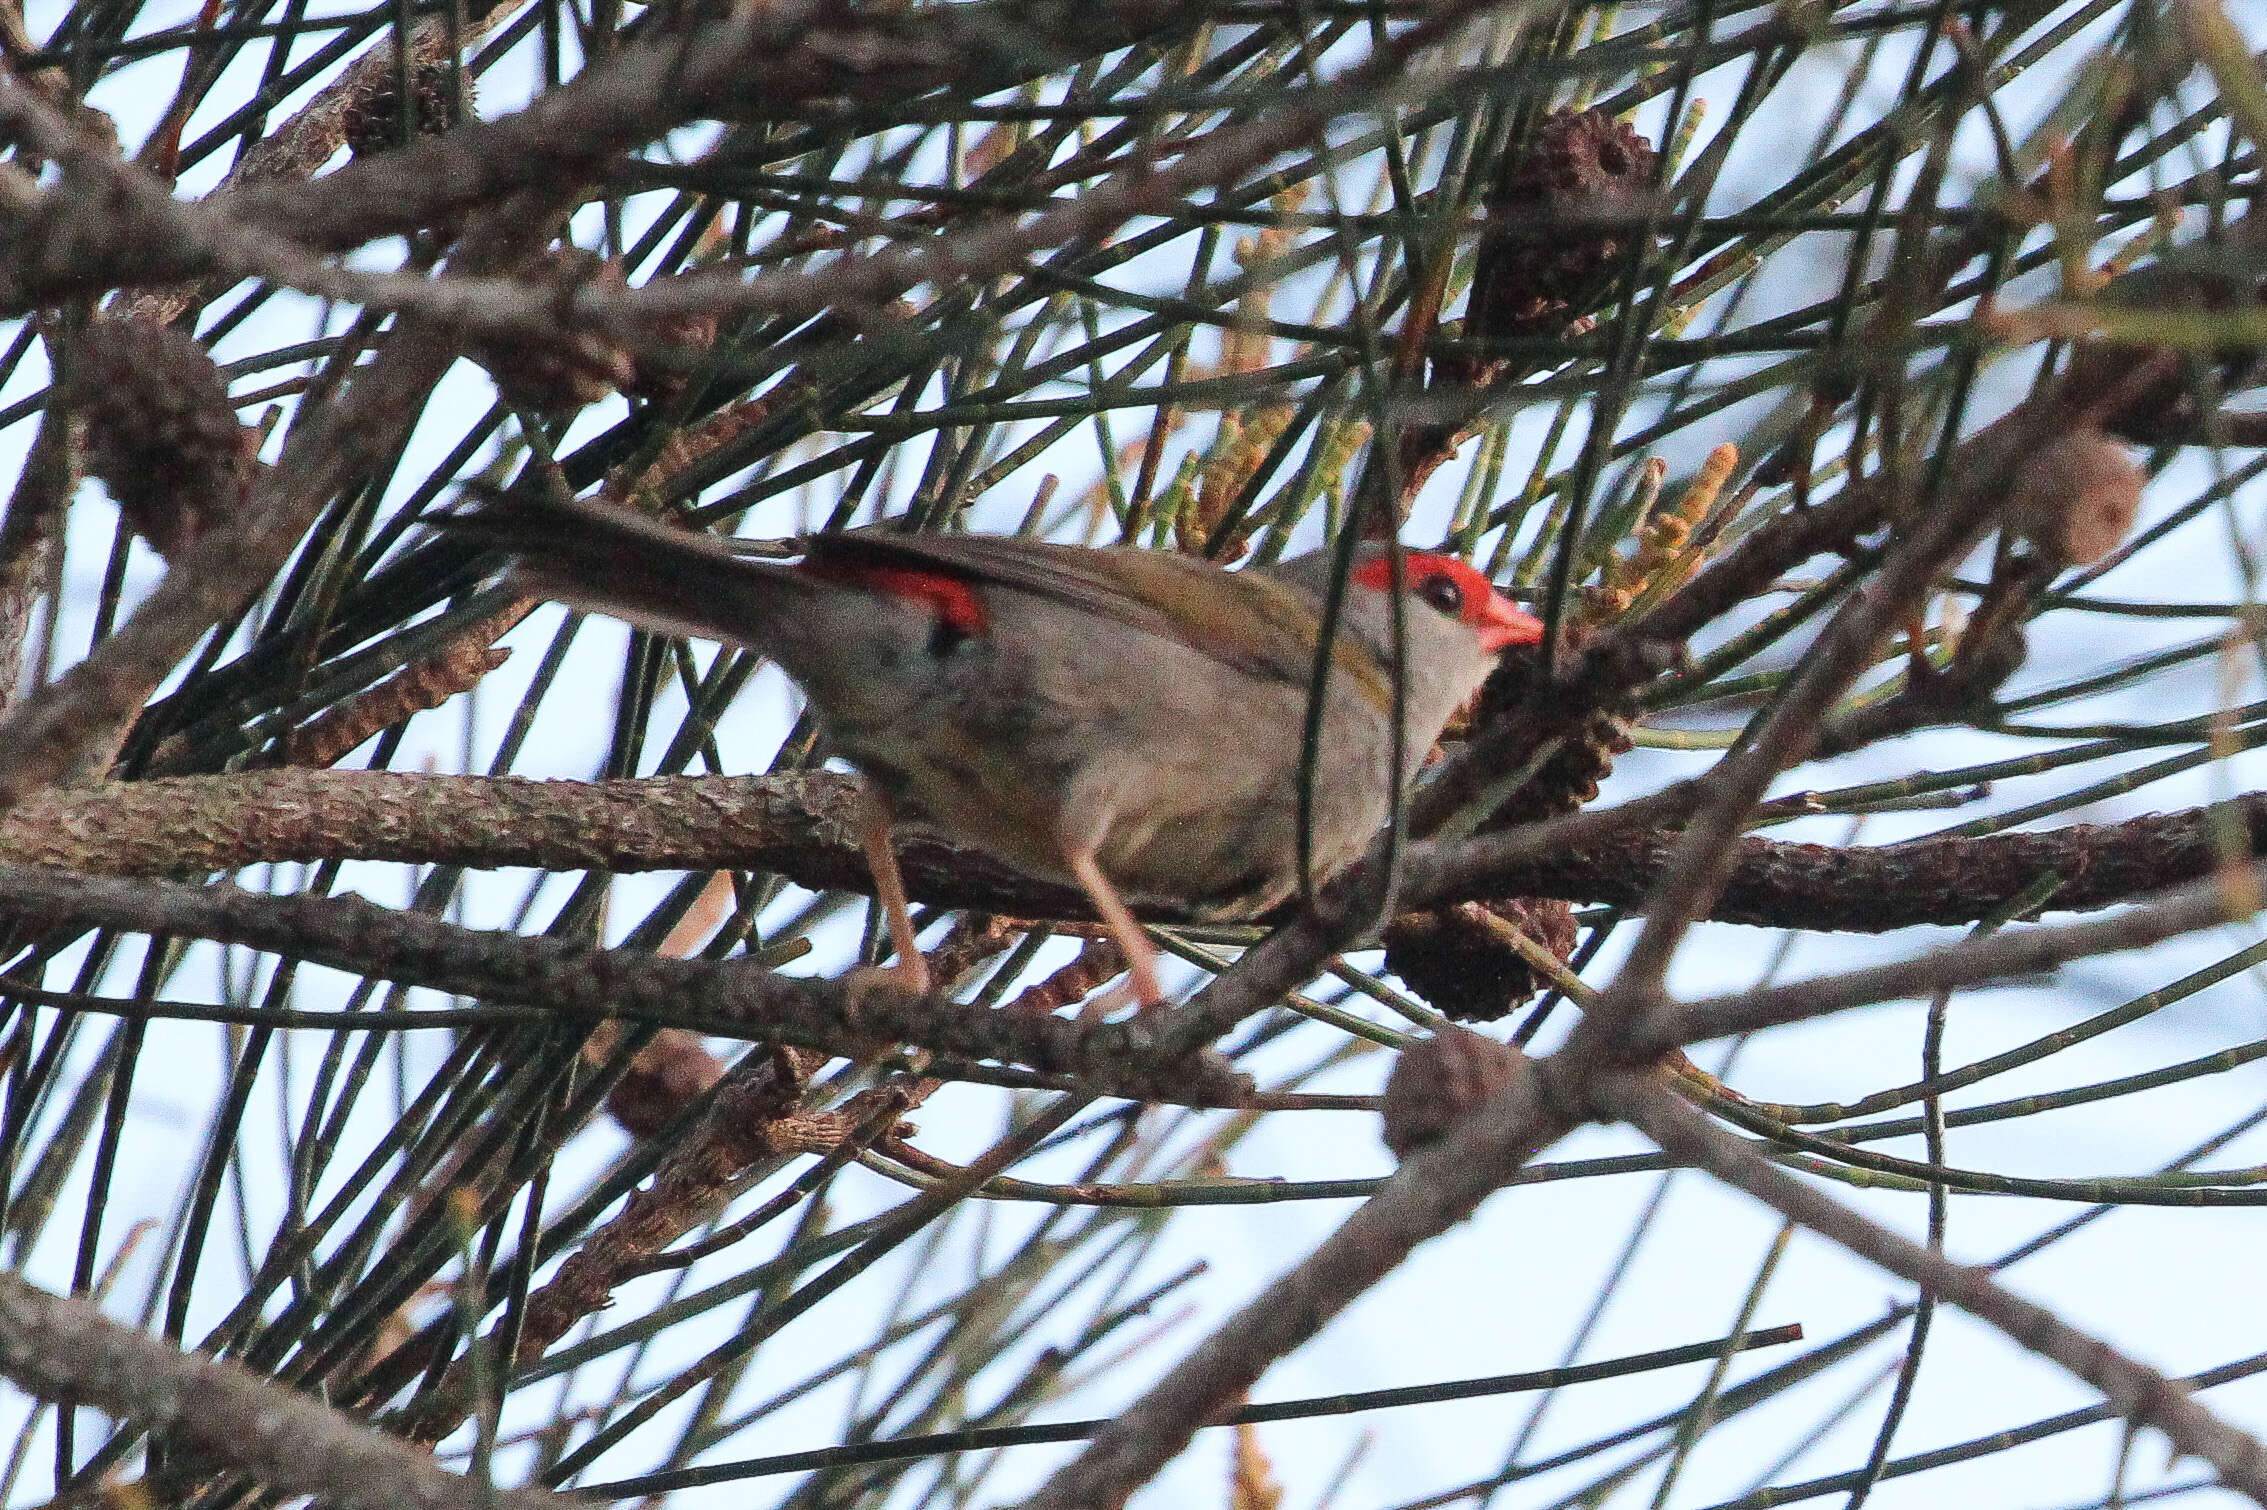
953	600
1378	573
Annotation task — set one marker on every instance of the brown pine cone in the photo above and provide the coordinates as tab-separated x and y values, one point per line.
160	430
557	374
373	123
2076	497
1536	262
1456	962
1439	1079
672	1069
1451	957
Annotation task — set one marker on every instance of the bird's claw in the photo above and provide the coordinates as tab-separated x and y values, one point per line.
860	985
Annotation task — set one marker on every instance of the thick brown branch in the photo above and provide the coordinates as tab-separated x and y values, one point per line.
770	62
1942	882
57	1348
800	826
724	995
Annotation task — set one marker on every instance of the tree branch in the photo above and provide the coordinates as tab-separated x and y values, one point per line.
800	825
348	933
58	1348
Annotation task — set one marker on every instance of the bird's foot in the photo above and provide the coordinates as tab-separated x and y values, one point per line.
1104	1003
860	985
1139	990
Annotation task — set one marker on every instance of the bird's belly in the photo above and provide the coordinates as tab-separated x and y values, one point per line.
1183	835
1008	809
1235	861
1239	858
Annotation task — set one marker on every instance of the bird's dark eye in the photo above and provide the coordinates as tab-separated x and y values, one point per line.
1444	592
945	637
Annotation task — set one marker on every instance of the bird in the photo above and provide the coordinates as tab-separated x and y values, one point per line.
1128	721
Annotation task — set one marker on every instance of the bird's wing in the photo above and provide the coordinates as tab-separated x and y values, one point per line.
1252	623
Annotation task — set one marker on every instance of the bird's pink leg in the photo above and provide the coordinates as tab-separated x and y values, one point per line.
874	823
1125	928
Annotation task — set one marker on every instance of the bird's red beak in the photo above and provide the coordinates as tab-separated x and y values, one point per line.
1504	624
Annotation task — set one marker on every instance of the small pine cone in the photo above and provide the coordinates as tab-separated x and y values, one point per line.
1453	960
1439	1079
373	122
672	1069
2191	280
1570	778
1535	259
662	372
561	373
2076	497
160	431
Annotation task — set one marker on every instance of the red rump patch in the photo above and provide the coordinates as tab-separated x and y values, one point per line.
951	599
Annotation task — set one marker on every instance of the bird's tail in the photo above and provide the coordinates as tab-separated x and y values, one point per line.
608	559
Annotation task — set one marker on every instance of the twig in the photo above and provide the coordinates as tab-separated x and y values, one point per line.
1438	1187
2207	904
424	683
753	1118
984	1439
2138	1393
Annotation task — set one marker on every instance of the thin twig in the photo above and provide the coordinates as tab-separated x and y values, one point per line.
2138	1393
2206	904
